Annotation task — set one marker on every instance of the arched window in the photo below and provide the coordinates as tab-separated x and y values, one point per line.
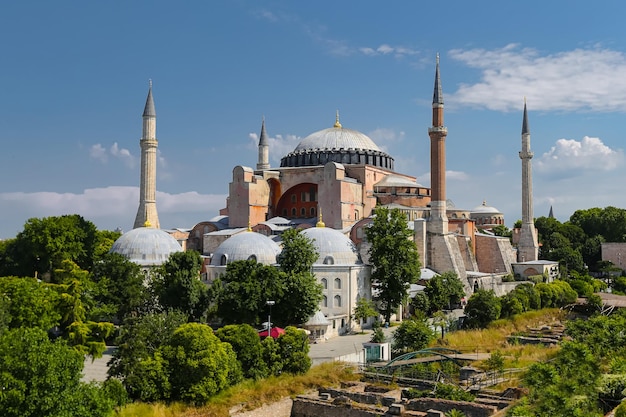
324	302
337	283
337	301
303	212
206	229
293	211
293	198
224	259
252	258
313	214
329	260
325	283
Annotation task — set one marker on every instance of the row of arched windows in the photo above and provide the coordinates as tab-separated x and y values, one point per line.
294	212
336	301
337	283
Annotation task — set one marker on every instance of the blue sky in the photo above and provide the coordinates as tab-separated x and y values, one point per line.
75	78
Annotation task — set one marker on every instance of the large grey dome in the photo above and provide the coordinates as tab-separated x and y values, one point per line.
146	246
333	246
337	144
337	138
244	246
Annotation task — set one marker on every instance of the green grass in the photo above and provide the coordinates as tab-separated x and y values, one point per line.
250	394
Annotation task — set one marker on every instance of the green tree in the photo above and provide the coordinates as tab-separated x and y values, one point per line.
45	243
29	303
247	346
138	362
42	378
177	285
298	253
293	347
394	257
301	293
120	288
444	291
482	308
199	364
364	309
243	290
412	335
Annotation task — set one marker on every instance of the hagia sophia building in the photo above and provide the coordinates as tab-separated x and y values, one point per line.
328	186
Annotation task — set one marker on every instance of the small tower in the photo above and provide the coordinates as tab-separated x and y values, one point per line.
264	150
147	212
438	132
528	247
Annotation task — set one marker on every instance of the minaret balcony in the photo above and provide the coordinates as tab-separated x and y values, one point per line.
526	155
438	129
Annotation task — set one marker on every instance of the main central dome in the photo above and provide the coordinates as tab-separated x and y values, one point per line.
337	144
337	138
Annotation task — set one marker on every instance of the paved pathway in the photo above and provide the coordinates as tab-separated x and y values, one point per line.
336	347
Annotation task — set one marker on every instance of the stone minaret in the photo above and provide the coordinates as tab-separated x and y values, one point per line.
527	248
438	133
147	213
264	150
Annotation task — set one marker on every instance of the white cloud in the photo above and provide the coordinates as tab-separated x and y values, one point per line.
279	145
574	157
578	80
107	207
385	49
454	176
100	153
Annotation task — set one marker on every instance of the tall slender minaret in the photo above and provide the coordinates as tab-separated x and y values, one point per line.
438	219
528	247
264	150
147	213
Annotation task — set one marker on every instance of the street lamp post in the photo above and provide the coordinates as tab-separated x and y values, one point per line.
269	317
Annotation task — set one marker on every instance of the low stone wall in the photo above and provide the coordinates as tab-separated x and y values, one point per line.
469	409
305	407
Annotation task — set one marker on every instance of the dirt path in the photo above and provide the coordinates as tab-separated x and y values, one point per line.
280	408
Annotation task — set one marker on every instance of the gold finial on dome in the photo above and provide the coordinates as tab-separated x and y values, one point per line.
147	224
484	202
249	226
337	124
320	223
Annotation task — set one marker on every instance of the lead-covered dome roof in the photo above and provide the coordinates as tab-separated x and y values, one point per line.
334	247
146	246
337	138
484	209
244	246
337	144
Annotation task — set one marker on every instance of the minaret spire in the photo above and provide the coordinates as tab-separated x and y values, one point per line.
264	150
528	246
525	129
147	212
438	133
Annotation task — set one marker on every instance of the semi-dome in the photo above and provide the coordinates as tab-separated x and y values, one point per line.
337	144
334	247
244	246
146	246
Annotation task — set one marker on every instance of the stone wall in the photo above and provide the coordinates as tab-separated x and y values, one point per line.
469	409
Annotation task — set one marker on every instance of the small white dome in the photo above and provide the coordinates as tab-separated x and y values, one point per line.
485	209
146	246
334	247
244	246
